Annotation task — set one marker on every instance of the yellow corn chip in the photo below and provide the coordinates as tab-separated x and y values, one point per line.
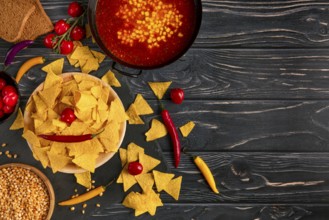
157	130
51	114
46	128
162	179
86	85
123	156
142	107
51	80
145	181
120	180
135	201
110	79
117	112
84	179
133	152
159	88
68	100
57	162
40	154
96	91
73	62
19	121
100	56
173	188
31	138
86	161
82	53
55	67
84	101
58	148
133	115
153	201
60	124
91	65
187	128
84	148
50	95
148	162
128	179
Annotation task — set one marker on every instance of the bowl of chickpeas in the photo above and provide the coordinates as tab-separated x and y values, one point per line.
26	193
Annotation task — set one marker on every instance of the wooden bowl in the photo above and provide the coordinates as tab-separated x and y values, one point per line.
44	179
103	157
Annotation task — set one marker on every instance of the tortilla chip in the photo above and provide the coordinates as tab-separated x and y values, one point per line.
31	138
128	179
187	128
55	67
86	85
148	162
145	181
173	188
51	80
98	55
133	115
86	161
40	154
84	101
153	201
110	79
57	162
157	130
58	148
162	179
19	121
123	156
133	152
117	112
142	107
82	53
96	91
91	65
159	88
84	179
50	95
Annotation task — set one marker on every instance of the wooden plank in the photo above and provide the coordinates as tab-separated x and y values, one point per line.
255	177
259	125
221	211
227	73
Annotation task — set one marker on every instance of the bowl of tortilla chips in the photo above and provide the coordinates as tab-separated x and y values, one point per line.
98	110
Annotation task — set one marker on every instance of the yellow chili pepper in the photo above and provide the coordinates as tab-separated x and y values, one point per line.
84	197
206	172
28	65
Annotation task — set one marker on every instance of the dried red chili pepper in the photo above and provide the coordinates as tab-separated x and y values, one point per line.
173	135
68	138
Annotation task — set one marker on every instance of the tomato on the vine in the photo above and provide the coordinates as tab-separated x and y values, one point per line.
78	33
8	89
8	109
66	47
61	27
48	41
10	99
75	9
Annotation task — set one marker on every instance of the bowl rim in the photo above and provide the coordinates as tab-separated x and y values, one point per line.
44	179
103	157
94	32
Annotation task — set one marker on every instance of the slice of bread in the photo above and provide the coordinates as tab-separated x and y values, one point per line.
37	24
13	17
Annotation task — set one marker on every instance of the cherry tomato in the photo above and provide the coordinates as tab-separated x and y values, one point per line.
48	41
3	83
66	47
8	109
1	113
177	95
8	89
61	27
68	115
10	99
1	104
75	9
78	33
135	168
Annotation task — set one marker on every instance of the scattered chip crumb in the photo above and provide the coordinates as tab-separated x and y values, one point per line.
72	208
98	205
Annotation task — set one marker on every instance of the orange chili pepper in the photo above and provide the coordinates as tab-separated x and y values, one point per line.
206	172
28	65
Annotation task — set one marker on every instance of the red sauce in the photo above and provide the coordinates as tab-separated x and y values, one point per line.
145	33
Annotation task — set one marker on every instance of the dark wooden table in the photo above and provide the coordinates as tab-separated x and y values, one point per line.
256	83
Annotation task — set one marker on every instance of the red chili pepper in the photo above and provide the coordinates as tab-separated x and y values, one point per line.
68	138
173	135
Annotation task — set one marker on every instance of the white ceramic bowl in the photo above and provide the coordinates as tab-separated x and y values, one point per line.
103	157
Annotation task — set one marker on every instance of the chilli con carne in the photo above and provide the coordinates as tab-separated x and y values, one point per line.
145	33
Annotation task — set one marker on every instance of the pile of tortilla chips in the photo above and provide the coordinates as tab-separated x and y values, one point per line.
97	111
149	199
137	108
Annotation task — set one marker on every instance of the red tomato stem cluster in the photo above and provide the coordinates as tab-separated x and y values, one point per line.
8	98
67	31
